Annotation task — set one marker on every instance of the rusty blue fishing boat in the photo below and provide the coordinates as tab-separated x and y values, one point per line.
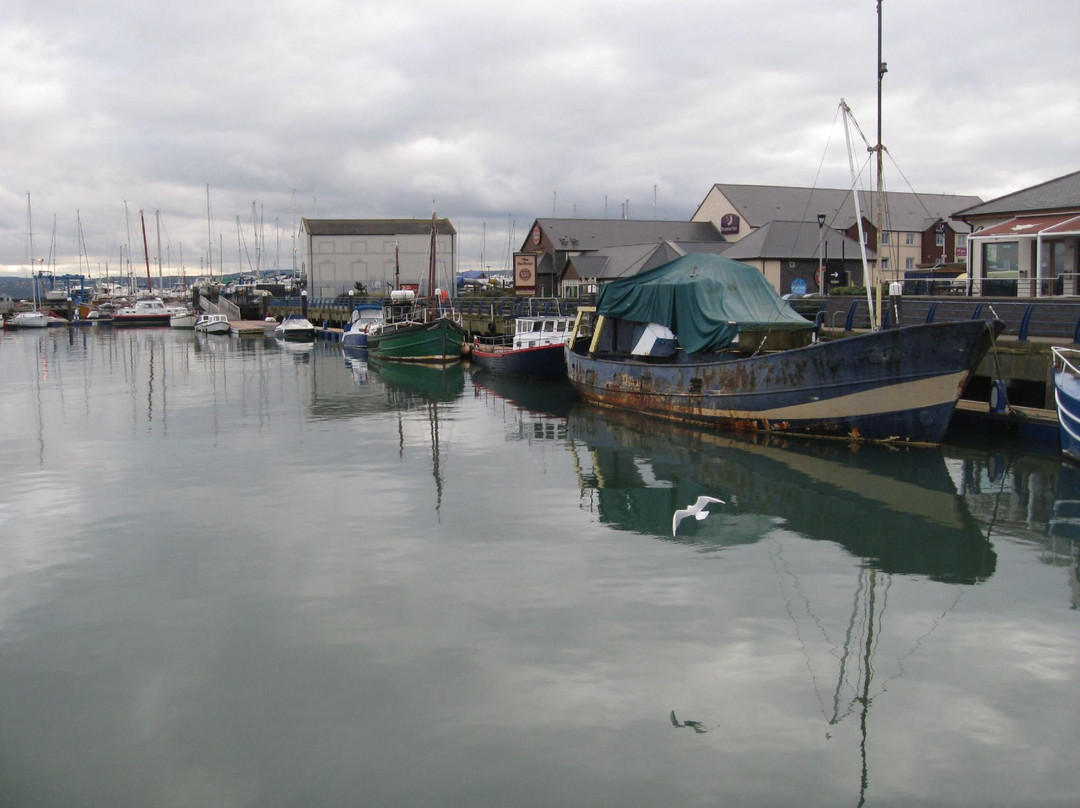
707	340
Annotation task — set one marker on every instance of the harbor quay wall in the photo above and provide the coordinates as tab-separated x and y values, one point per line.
479	316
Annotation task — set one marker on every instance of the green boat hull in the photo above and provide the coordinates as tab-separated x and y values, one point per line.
438	341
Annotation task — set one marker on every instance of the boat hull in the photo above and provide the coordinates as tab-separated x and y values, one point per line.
541	362
29	319
438	341
354	339
1067	400
212	325
183	321
142	320
295	329
899	384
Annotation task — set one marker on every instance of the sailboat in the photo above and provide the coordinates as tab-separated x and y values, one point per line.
149	311
707	340
417	329
35	318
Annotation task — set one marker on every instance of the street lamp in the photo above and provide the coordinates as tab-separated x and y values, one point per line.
821	251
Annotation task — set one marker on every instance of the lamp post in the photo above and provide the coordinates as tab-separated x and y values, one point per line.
821	279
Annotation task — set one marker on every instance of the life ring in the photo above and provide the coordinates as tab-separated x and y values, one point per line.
818	274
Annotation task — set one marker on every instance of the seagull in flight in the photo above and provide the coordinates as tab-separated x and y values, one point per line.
696	726
697	510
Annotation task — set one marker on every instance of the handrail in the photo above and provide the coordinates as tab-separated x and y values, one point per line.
1063	354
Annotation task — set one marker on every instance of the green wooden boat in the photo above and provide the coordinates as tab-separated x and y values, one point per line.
416	329
439	340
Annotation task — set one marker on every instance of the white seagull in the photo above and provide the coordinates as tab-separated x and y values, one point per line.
697	510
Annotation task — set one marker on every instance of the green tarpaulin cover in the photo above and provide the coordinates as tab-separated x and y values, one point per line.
704	299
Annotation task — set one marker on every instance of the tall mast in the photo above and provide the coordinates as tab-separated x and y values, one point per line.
30	247
146	252
157	222
879	148
209	236
431	259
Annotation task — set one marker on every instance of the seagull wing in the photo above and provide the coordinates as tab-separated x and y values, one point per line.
678	516
704	501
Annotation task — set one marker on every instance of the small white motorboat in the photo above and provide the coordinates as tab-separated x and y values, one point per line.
212	324
296	329
183	319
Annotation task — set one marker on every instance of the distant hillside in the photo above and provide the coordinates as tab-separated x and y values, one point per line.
18	288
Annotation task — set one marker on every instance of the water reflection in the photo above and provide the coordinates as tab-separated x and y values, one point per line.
897	509
413	385
1063	527
532	409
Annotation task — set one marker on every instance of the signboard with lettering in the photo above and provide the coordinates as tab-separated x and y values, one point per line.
729	224
798	287
525	273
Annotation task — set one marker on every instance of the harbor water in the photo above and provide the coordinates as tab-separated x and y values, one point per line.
238	572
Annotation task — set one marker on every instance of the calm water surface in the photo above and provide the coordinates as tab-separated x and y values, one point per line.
234	573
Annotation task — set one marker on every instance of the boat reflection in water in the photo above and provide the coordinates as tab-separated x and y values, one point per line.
412	386
532	409
412	382
895	512
1063	526
540	396
896	508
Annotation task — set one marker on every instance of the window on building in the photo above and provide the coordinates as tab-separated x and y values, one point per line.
884	264
940	240
1001	256
909	239
884	236
909	263
961	241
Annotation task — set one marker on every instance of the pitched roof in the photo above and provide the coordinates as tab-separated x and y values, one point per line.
1057	194
374	227
907	212
595	234
785	240
630	259
1063	224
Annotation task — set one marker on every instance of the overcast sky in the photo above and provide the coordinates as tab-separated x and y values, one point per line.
496	113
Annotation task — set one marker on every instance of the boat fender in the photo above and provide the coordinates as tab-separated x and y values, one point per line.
999	400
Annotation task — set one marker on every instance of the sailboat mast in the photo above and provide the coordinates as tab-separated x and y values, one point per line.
431	257
157	221
146	252
880	180
30	248
209	237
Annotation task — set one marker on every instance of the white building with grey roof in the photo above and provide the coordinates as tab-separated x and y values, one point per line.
378	254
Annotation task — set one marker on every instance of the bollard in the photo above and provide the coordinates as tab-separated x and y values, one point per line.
896	292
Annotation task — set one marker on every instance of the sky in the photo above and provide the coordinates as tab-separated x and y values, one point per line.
493	114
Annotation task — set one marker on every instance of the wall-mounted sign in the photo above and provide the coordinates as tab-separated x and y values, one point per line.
525	273
536	235
729	224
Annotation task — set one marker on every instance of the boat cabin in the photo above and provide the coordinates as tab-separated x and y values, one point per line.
532	332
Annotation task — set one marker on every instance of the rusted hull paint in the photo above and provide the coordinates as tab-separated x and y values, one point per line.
892	385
